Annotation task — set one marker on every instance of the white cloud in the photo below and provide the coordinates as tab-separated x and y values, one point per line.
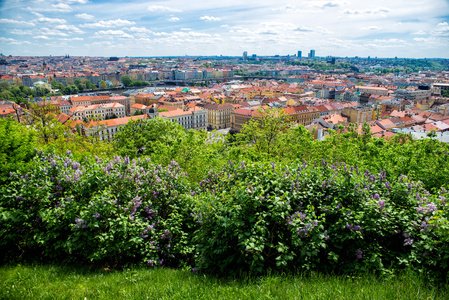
71	28
101	44
419	32
326	4
59	7
173	19
371	28
46	31
72	39
441	30
62	7
209	19
41	37
185	29
303	29
112	34
21	32
110	23
380	10
160	8
15	22
13	41
77	1
85	16
140	30
43	19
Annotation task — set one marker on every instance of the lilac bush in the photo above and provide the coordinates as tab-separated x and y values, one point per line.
314	216
246	217
114	211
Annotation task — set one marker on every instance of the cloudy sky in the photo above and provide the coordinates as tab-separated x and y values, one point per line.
383	28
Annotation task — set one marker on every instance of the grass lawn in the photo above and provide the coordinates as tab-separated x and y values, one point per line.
69	282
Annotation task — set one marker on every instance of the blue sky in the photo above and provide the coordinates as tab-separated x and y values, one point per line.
383	28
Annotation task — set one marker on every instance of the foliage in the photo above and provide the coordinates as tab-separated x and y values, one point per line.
445	93
17	144
116	211
262	136
15	92
128	82
164	141
145	136
333	218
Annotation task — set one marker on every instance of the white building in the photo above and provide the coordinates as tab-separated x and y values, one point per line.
193	118
100	111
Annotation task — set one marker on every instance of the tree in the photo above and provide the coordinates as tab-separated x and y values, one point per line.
4	86
103	84
146	137
126	80
90	85
43	119
17	144
6	95
263	133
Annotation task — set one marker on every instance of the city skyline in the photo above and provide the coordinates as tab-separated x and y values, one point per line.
173	28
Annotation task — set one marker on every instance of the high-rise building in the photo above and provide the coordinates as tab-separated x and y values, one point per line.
245	55
299	54
312	54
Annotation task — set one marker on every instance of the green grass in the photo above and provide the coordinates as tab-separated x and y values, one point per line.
68	282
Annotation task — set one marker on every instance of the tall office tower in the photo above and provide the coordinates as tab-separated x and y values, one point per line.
312	54
245	55
299	54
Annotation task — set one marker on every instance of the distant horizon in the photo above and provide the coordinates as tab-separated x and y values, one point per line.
232	56
174	28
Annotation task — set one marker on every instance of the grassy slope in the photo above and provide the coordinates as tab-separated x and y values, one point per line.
65	282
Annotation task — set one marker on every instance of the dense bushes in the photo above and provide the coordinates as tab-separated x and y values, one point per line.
116	211
17	144
244	217
309	216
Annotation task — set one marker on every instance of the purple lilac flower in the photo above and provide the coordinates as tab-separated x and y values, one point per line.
376	196
338	206
408	242
381	205
76	177
80	223
97	215
359	254
126	160
151	262
354	227
429	208
160	262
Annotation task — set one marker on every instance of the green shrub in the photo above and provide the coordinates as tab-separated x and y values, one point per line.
256	217
114	211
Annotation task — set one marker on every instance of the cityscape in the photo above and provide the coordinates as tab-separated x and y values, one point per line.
97	60
223	93
224	149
